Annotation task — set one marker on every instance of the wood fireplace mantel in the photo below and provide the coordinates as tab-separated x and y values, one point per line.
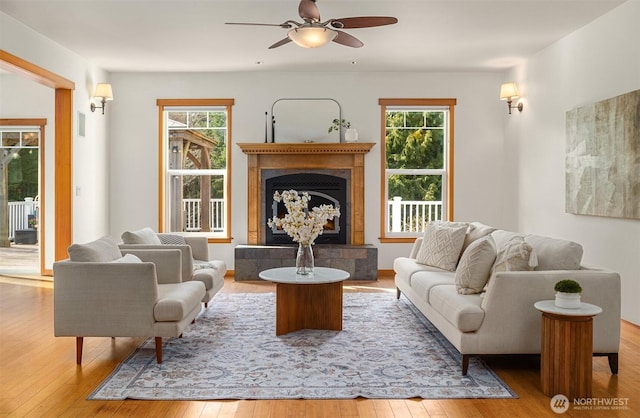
303	156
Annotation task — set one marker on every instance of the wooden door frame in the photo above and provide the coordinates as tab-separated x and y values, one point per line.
63	149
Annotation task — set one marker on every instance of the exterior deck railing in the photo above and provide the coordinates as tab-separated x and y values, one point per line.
191	211
19	215
412	216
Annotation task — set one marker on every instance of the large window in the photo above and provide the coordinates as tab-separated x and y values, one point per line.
417	165
196	161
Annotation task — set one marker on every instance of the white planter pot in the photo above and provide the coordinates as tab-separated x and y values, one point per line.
351	135
567	300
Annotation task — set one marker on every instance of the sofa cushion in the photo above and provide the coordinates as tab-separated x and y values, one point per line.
555	254
171	239
442	244
463	311
101	250
515	255
475	266
405	267
175	300
141	236
476	231
422	281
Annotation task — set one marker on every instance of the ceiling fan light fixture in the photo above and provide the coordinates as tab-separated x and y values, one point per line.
312	36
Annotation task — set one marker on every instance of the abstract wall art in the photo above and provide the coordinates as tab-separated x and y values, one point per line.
603	158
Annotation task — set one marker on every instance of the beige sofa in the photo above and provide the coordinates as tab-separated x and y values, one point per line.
498	317
195	256
101	292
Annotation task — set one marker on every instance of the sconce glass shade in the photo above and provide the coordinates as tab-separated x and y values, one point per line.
311	36
508	91
103	91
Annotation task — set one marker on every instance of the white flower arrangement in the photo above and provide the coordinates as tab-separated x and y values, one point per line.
300	223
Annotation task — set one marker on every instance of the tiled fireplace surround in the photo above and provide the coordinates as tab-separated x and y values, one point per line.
264	160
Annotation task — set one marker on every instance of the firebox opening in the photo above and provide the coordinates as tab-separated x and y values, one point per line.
322	189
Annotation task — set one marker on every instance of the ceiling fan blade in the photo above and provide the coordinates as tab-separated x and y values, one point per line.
280	43
363	22
309	11
344	38
285	25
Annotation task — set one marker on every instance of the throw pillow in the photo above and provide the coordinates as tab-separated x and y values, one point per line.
441	244
476	231
475	266
516	255
172	239
556	254
141	236
100	250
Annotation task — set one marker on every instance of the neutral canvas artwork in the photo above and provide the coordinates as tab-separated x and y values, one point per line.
603	158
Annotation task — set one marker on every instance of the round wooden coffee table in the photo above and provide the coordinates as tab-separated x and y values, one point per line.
307	302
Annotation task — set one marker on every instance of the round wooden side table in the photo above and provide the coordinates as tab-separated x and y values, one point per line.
566	355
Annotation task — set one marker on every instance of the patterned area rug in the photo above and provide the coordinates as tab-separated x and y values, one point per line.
386	349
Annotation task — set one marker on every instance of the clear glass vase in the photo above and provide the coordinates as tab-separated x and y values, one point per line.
304	260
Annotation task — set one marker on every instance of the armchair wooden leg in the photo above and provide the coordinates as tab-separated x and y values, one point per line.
79	341
398	293
206	305
159	349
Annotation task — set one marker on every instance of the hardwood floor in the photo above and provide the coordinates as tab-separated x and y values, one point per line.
39	377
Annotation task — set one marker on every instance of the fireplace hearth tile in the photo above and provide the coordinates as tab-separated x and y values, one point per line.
361	261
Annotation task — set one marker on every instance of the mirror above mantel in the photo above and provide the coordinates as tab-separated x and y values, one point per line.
304	120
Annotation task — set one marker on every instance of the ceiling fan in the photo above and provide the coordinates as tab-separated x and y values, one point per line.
313	33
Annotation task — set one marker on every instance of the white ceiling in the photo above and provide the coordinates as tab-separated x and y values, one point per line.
190	35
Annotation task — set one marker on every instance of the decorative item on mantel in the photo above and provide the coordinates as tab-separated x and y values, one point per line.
350	135
302	225
567	294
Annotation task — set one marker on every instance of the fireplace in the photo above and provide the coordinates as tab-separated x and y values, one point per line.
322	189
270	160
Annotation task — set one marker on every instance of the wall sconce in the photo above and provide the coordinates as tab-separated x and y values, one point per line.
508	92
104	93
174	149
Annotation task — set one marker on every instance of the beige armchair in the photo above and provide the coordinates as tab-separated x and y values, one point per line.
195	256
101	292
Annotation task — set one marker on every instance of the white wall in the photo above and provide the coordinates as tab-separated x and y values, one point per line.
90	153
599	61
134	137
23	99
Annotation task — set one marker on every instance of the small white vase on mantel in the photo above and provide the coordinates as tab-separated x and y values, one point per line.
351	135
567	300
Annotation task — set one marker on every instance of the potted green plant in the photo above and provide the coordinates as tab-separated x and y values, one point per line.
336	124
568	294
350	135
